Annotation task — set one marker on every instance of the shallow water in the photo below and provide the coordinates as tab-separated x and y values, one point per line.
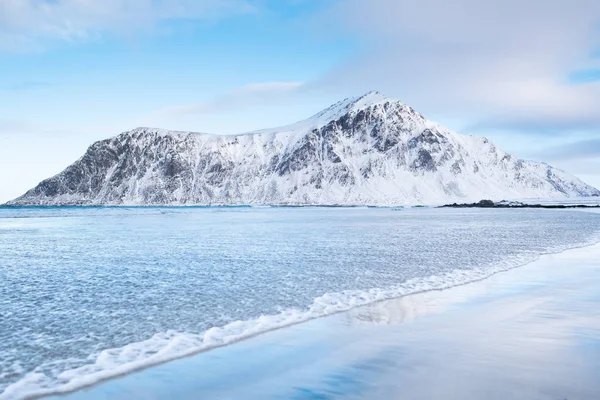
90	292
532	333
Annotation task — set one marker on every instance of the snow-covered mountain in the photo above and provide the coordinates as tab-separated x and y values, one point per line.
364	150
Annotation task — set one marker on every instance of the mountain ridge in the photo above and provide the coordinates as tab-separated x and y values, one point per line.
364	150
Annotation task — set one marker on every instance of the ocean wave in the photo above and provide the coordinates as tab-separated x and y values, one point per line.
171	345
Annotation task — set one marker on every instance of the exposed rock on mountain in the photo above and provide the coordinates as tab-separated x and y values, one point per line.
365	150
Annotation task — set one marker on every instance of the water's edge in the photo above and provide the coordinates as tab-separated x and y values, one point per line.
169	346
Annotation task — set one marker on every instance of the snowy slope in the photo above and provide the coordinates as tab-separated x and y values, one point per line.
365	150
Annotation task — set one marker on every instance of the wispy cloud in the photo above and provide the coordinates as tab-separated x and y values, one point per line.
26	85
242	98
13	127
505	62
584	149
36	24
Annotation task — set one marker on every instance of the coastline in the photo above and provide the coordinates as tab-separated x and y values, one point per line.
588	202
345	332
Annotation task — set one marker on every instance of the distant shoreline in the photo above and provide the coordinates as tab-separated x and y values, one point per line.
480	204
183	206
491	204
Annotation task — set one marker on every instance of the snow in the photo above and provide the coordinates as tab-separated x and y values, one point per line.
367	150
332	113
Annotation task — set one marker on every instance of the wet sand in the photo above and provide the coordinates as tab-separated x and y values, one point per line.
529	333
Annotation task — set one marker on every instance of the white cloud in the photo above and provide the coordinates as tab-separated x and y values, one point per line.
35	24
575	151
245	97
10	126
504	61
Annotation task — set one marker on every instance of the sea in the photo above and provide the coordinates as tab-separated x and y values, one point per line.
90	293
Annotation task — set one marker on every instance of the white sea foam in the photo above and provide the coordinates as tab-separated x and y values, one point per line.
84	293
171	345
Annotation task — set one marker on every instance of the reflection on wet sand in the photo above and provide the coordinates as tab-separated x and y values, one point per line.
407	309
394	312
528	334
532	333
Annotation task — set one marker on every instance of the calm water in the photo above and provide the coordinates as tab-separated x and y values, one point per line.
86	293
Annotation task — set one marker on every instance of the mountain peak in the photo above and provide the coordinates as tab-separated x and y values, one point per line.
372	97
349	104
363	150
359	102
332	113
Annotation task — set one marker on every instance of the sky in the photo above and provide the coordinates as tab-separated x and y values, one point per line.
524	74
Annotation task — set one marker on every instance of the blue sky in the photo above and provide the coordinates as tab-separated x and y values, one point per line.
75	71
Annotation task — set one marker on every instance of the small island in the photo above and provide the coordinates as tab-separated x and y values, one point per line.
515	204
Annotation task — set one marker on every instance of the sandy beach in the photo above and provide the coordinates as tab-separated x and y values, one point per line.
529	333
299	200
